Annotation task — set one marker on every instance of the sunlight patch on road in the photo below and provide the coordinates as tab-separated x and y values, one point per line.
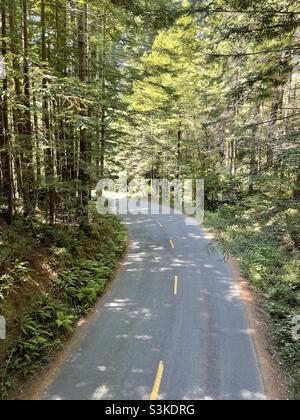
82	385
56	398
251	396
208	266
101	393
143	337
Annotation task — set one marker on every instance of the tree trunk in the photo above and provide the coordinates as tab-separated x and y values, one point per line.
296	192
37	143
254	159
49	161
103	107
29	192
17	115
277	104
232	158
179	140
84	143
4	131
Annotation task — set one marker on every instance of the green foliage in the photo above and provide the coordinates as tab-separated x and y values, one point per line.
82	284
258	241
21	271
65	321
6	286
13	244
84	266
38	337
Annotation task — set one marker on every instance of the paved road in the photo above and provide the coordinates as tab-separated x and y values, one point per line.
172	327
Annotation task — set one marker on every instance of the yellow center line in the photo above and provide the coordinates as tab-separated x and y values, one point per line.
158	379
159	224
175	285
172	244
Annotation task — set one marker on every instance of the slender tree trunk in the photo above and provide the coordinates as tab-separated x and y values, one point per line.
29	192
232	158
84	143
103	108
49	161
37	144
179	140
277	104
17	115
254	159
253	171
4	130
296	191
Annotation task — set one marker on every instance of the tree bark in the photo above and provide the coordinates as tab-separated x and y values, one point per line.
103	107
179	140
49	161
4	130
17	115
29	191
296	191
83	141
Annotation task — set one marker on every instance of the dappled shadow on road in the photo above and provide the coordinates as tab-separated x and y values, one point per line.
202	335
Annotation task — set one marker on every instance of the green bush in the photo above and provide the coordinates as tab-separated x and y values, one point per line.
264	238
84	265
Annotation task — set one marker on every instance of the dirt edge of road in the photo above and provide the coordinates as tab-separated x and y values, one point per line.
274	379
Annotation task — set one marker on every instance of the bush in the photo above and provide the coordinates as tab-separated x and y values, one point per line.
264	241
84	265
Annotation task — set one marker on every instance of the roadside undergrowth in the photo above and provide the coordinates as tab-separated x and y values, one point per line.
50	278
265	240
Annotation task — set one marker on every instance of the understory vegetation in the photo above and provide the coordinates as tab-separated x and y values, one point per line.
51	279
264	241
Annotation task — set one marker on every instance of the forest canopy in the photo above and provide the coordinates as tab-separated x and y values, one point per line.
169	88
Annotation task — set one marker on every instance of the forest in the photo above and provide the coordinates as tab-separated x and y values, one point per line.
160	90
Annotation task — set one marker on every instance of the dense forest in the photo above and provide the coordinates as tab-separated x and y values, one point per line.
159	89
210	99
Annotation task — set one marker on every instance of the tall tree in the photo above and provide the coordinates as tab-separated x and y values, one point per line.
4	125
84	178
49	152
26	146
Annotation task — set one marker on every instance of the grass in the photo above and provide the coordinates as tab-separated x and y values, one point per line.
265	241
48	280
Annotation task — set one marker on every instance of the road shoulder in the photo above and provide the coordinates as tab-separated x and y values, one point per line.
274	379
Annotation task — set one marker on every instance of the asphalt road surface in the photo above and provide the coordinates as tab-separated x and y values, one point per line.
172	327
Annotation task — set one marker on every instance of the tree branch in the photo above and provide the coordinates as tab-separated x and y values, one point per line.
245	54
272	121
